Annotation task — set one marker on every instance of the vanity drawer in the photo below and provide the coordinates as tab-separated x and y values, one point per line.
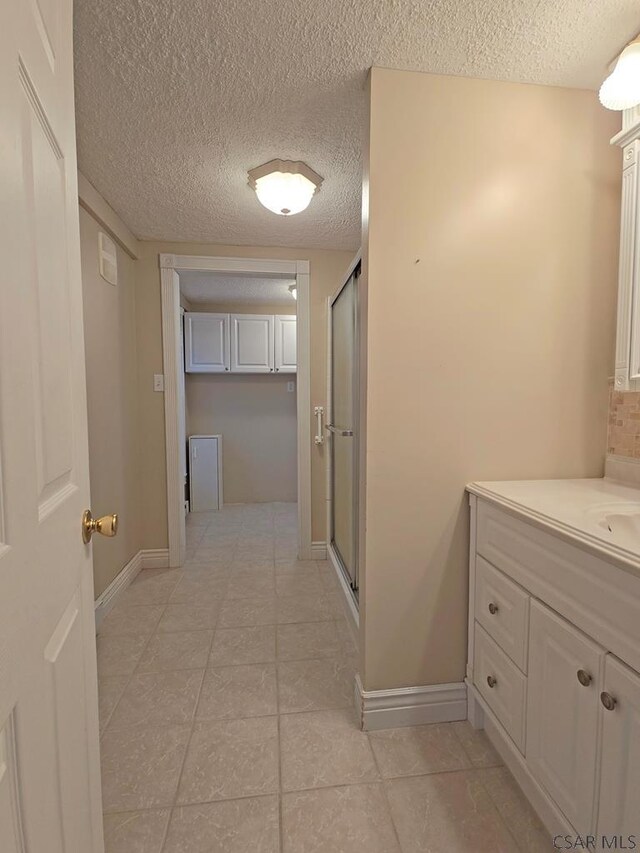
507	696
502	608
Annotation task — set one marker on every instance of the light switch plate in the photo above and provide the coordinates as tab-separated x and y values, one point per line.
158	381
291	386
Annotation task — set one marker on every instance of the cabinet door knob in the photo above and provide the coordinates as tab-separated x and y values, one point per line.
493	608
608	701
584	678
491	681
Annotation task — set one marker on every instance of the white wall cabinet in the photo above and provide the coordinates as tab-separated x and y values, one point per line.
207	343
285	343
575	748
240	343
252	343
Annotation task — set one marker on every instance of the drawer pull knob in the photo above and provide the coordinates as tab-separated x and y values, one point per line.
491	681
584	678
493	608
608	701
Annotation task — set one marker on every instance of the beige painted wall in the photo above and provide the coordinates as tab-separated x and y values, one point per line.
491	259
326	271
112	401
256	416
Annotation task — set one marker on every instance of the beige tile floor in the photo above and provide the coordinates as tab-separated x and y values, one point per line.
228	727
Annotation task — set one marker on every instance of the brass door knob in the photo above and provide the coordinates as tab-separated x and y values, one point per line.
106	526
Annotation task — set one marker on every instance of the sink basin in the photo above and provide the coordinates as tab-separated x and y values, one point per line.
620	523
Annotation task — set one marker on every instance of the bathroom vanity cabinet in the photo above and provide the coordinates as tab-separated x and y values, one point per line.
553	665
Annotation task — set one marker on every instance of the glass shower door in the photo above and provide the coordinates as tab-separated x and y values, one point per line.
343	429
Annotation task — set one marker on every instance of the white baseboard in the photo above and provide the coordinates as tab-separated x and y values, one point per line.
410	706
112	593
155	558
152	558
318	550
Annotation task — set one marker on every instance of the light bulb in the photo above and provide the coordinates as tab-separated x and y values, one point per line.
621	89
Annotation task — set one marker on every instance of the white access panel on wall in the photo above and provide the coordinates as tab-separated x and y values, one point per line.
205	473
286	348
252	343
206	342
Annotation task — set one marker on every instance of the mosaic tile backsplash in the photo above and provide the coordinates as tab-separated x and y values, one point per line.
624	424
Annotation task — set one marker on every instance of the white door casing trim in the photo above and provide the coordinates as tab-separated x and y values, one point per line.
170	288
410	706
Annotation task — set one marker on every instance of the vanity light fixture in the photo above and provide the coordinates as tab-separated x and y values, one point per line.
293	290
284	186
621	89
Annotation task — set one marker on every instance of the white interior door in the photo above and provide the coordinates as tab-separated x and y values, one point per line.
252	343
49	759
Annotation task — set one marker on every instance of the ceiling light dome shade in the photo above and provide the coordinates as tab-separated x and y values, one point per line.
284	186
621	89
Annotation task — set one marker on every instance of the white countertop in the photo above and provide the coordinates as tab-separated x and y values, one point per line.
573	509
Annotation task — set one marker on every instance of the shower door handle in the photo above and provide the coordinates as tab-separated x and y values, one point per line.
337	430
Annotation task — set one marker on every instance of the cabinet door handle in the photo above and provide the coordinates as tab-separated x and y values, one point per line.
584	678
493	608
491	681
608	701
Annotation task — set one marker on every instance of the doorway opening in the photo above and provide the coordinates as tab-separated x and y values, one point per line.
237	388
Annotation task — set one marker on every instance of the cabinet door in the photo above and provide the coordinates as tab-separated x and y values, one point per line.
562	713
285	352
252	343
204	474
627	338
206	339
619	810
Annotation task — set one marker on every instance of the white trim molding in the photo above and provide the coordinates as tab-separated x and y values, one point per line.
410	706
105	215
155	558
150	558
319	550
170	266
108	599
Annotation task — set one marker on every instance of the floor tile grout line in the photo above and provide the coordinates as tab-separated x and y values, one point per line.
385	793
129	678
174	804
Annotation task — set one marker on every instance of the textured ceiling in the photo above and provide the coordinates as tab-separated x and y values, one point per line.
177	100
201	287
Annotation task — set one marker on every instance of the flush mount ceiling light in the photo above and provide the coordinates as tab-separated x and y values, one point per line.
284	186
293	290
621	89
